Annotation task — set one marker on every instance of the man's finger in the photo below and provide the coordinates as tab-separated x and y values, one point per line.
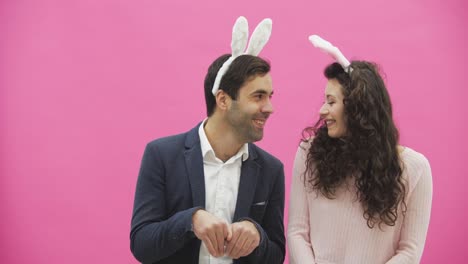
214	243
228	232
220	241
232	243
249	246
209	246
238	246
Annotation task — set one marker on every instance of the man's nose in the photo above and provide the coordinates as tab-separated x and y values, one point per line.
268	107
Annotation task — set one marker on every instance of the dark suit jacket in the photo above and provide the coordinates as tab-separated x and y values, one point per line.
171	187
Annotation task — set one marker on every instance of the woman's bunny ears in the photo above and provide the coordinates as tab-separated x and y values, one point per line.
333	51
240	35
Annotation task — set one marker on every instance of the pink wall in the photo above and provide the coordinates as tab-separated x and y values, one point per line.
84	85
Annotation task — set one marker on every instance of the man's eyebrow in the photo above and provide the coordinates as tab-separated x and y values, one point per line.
262	91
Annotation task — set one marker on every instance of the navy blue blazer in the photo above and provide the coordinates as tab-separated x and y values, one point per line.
171	187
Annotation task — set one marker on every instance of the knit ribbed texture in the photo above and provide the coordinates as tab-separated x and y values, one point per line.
326	231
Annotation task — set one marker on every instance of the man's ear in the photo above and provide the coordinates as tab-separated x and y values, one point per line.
223	100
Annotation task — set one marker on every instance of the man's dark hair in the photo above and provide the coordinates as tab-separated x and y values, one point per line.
240	71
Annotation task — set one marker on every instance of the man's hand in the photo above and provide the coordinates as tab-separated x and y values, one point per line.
245	238
212	230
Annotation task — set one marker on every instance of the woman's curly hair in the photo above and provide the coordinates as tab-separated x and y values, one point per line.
369	150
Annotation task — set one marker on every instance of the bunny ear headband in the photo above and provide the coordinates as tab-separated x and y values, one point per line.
333	51
240	34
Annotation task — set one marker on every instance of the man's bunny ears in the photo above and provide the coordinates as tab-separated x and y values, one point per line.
240	35
333	51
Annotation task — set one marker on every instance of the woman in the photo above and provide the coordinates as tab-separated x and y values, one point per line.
357	196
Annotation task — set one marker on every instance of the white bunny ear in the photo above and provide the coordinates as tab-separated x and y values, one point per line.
333	51
259	37
240	35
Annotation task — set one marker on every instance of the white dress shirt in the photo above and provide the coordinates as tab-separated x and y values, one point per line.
221	188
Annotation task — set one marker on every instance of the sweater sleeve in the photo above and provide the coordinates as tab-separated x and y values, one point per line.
416	221
299	244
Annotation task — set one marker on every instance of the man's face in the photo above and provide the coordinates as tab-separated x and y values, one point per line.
248	114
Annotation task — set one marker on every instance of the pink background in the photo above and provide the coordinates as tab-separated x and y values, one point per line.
85	84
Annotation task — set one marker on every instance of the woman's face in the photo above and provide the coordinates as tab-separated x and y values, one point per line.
332	110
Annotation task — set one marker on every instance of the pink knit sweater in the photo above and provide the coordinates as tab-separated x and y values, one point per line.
326	231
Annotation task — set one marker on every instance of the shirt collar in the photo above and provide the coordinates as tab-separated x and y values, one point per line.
206	146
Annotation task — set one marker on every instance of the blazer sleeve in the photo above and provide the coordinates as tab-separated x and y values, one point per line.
416	219
271	249
153	235
299	244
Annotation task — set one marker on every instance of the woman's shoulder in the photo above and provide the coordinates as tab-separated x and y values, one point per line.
300	159
416	167
305	143
304	146
413	159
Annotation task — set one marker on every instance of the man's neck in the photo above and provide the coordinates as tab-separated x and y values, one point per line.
222	139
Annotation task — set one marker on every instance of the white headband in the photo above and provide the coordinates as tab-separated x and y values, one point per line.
240	35
333	51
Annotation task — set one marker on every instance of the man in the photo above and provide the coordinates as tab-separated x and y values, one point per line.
210	195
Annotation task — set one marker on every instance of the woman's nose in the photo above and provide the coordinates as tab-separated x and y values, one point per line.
323	110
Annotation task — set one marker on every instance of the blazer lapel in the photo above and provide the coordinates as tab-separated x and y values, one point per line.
194	165
247	185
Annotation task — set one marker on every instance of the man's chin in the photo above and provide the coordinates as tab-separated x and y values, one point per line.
257	137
